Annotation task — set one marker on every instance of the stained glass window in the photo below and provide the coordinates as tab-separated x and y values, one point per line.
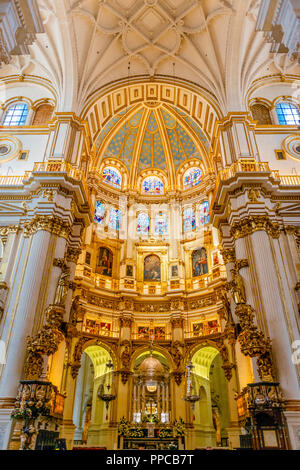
288	114
143	223
204	213
114	219
161	224
99	216
192	177
152	185
189	219
112	177
16	115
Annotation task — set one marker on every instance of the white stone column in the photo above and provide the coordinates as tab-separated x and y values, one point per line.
23	301
268	280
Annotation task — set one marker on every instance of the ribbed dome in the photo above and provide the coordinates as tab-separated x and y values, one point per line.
151	366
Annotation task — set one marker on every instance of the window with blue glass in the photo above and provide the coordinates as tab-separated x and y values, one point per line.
192	177
16	115
99	216
161	224
152	185
204	213
112	177
114	219
288	114
143	223
189	219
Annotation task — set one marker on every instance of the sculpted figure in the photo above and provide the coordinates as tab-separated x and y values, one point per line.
238	288
62	288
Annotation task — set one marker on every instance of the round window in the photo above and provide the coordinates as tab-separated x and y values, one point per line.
297	149
4	149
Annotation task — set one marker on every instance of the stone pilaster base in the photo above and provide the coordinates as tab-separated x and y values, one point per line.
293	424
67	430
234	437
6	423
103	436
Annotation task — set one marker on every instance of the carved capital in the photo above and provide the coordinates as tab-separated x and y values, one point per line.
252	224
73	254
228	255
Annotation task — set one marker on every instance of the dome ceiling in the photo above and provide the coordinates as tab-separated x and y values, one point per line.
152	137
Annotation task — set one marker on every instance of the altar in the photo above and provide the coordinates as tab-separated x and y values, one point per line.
148	443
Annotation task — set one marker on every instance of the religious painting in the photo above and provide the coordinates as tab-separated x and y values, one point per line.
143	332
91	327
152	268
212	327
129	270
216	258
174	270
198	329
159	332
199	262
104	262
88	258
105	328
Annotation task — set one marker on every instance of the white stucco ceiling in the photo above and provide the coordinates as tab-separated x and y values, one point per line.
90	43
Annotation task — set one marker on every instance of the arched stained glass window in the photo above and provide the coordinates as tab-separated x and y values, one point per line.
16	115
192	177
152	185
204	213
288	114
189	219
143	223
114	219
99	216
112	177
161	224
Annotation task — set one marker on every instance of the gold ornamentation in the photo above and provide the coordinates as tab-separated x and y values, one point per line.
73	254
49	194
176	352
59	263
228	255
75	366
178	376
252	224
253	195
48	223
227	366
45	342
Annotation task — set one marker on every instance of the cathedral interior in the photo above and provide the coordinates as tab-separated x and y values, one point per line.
149	224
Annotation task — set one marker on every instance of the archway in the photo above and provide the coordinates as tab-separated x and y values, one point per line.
211	412
90	414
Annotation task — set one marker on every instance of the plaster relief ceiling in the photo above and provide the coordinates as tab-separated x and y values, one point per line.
88	44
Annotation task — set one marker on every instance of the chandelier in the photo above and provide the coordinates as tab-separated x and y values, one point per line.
190	391
107	388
